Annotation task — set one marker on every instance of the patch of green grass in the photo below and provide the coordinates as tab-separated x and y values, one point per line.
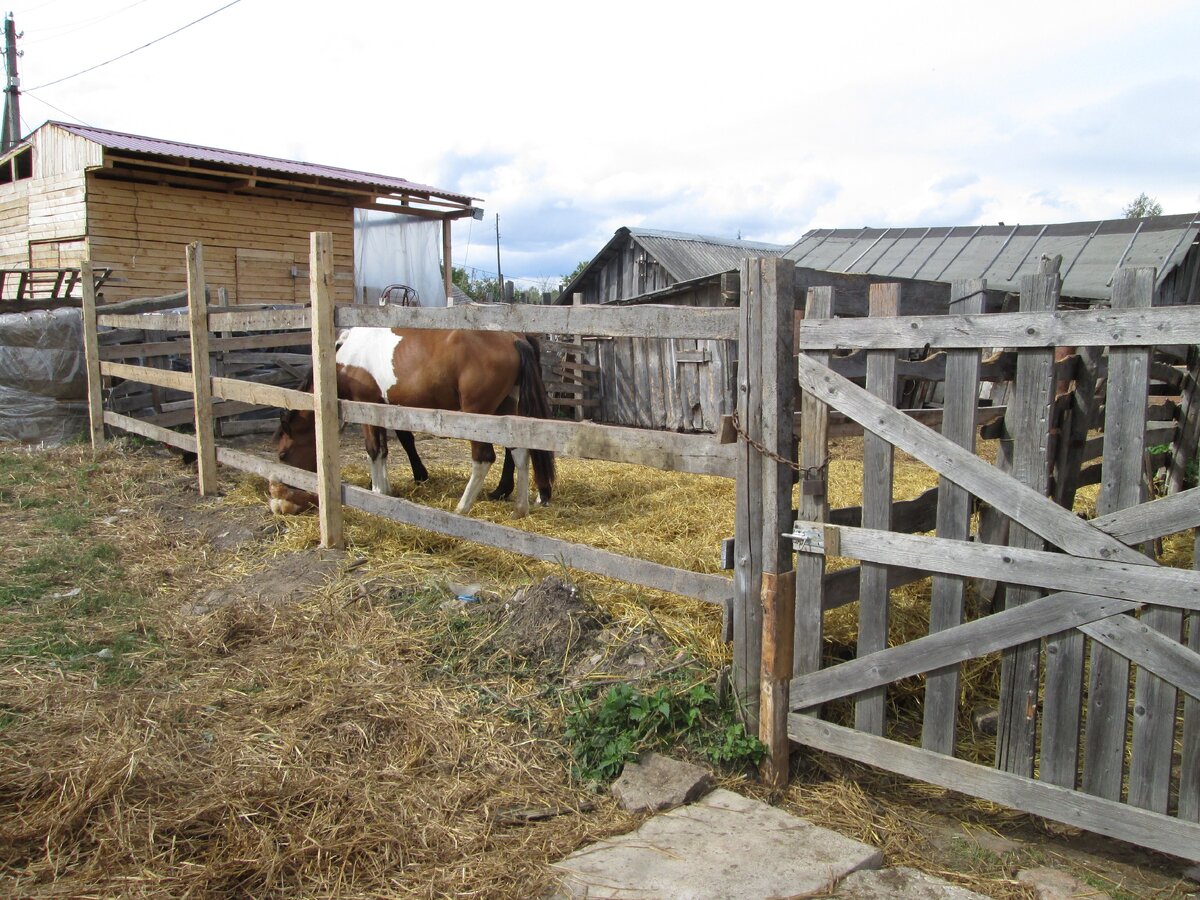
618	727
69	521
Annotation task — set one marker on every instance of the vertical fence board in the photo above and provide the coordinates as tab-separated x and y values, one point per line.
206	446
814	506
1062	702
1189	764
1154	698
953	520
91	357
1183	448
874	596
1032	399
325	399
1124	447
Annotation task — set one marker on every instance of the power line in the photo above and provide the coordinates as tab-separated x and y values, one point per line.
55	108
136	49
64	30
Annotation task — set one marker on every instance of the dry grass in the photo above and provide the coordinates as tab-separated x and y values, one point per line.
355	743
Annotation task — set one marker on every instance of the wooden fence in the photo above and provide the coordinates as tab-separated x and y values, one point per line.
1096	584
700	454
1087	611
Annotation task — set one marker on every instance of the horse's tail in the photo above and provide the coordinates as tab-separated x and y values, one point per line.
535	402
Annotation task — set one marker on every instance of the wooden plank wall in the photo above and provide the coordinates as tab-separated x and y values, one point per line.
141	230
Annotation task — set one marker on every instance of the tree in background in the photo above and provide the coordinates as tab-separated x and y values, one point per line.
1142	206
567	279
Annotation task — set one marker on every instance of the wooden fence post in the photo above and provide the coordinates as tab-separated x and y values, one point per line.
206	446
91	357
878	475
763	483
953	520
325	399
778	592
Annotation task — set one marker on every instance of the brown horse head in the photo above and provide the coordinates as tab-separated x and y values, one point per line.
296	445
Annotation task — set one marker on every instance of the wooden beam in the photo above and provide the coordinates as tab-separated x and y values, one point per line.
874	597
91	357
1057	525
953	521
1118	820
325	399
588	319
1078	328
201	377
1036	568
948	647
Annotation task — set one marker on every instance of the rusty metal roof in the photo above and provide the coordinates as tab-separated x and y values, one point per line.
688	256
1003	254
133	143
684	256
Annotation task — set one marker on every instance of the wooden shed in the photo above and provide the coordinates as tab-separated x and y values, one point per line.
677	385
132	204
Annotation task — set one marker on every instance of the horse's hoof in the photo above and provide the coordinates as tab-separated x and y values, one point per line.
424	476
497	495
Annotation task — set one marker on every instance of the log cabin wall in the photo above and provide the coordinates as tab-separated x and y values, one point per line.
255	247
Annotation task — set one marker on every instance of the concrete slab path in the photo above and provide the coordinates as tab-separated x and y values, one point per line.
724	846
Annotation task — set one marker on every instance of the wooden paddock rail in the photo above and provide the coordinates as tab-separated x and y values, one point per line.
673	452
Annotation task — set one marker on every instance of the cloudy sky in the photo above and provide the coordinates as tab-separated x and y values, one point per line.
570	120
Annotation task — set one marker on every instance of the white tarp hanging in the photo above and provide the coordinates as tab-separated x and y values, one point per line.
395	249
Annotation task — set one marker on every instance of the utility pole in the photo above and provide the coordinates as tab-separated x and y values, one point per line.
11	132
499	274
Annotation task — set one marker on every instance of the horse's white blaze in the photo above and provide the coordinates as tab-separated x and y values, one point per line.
479	472
373	350
521	462
379	476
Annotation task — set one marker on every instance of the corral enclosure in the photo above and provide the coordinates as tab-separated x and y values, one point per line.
778	599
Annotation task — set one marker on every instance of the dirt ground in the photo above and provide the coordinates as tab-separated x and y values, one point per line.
215	713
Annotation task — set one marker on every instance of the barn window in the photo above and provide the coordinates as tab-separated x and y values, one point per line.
17	167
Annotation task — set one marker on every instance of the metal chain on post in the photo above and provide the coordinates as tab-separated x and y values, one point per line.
807	473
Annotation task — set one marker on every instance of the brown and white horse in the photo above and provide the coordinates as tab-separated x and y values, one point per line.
491	372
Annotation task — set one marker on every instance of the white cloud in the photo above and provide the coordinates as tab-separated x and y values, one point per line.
572	120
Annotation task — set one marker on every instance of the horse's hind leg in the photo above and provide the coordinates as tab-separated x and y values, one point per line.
376	439
482	457
505	488
520	460
420	473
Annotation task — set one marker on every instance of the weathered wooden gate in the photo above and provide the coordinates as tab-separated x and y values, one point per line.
1088	610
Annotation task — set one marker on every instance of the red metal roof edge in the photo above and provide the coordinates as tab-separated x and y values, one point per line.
116	140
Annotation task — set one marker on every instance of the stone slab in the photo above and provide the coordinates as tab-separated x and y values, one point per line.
1054	884
724	846
901	884
657	782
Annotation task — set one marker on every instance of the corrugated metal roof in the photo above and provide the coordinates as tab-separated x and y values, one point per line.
1003	254
133	143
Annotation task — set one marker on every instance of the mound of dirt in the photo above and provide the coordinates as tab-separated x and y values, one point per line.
552	625
548	622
